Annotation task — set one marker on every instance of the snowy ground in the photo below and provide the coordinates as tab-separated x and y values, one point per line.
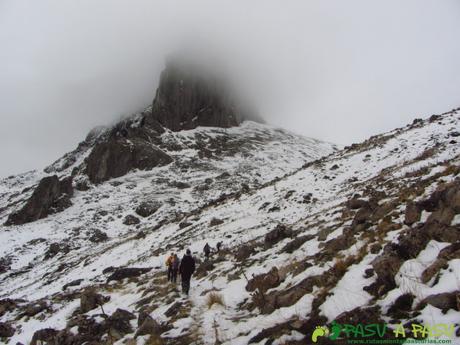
331	181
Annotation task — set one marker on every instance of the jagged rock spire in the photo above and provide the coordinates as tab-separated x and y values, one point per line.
189	96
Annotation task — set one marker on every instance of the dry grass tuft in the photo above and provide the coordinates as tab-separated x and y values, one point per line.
214	298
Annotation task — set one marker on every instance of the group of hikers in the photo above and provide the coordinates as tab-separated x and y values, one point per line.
186	266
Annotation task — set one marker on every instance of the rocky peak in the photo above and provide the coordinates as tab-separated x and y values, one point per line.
189	96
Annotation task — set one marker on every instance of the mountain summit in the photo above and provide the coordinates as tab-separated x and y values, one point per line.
189	96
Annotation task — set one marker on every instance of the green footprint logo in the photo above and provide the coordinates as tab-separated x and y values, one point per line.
336	328
320	331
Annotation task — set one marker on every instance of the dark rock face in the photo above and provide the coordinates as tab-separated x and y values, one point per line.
117	156
186	100
128	272
50	196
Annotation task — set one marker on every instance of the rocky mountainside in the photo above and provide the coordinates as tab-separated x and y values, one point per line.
130	181
311	233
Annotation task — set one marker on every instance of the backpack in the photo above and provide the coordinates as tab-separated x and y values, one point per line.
175	263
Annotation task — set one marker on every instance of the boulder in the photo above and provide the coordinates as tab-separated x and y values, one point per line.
131	220
173	310
6	330
98	236
148	326
128	272
120	321
244	252
444	301
356	203
401	306
90	300
34	308
296	243
363	215
46	335
433	269
387	265
279	233
146	209
443	215
5	265
264	282
75	282
215	222
8	305
441	232
412	213
50	196
204	268
180	185
184	224
56	248
450	252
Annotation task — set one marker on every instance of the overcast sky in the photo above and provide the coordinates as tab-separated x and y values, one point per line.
331	69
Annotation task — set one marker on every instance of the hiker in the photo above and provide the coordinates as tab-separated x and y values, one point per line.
219	246
207	250
186	269
175	268
169	264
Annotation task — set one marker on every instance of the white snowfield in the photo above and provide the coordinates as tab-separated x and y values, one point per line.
274	165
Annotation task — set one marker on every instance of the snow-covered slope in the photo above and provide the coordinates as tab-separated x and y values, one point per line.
305	231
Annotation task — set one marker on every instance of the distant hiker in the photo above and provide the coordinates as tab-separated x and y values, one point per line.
175	268
169	264
207	250
218	246
186	269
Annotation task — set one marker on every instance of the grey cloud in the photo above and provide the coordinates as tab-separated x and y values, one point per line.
335	70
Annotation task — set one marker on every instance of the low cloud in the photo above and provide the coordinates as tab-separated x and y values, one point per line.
334	70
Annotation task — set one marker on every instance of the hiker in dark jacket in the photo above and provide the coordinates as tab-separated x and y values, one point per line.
186	269
175	268
207	250
218	246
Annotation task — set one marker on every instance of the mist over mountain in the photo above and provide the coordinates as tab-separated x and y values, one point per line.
332	70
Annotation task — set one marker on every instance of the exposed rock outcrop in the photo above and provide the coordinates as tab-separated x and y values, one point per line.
50	196
128	272
117	156
186	99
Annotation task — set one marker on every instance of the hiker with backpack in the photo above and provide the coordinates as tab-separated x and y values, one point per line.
175	268
169	265
186	269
